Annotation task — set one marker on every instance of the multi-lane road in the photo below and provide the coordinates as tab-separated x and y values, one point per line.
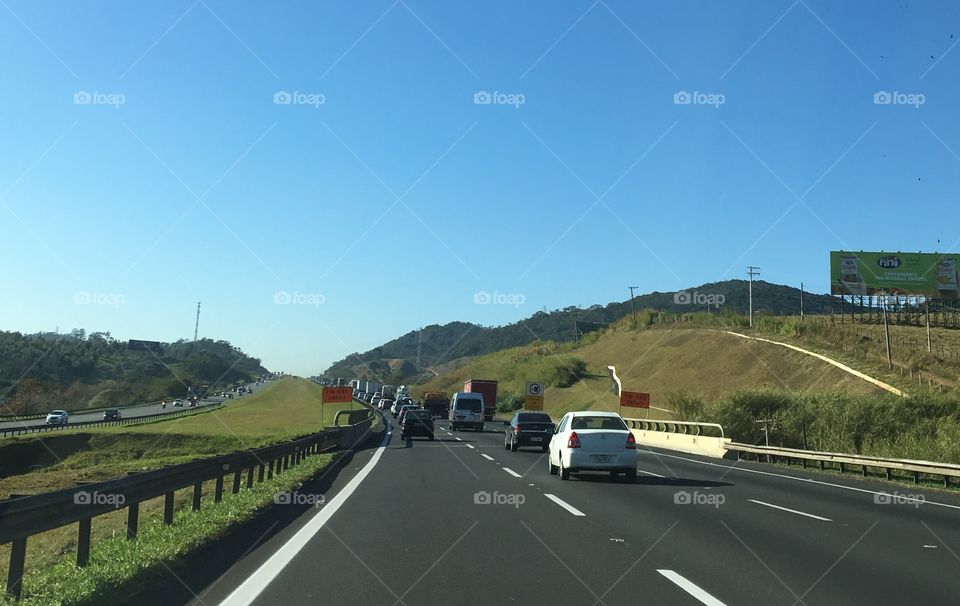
463	521
140	410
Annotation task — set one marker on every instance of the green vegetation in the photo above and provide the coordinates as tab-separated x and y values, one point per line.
119	567
75	371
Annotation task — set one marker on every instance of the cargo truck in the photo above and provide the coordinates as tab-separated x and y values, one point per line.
389	391
489	390
372	387
437	402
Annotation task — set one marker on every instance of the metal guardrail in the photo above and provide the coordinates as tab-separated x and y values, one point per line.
915	467
23	517
12	431
690	428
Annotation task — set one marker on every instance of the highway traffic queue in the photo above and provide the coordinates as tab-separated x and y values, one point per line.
582	441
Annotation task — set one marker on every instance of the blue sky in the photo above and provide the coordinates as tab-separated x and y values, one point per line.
147	160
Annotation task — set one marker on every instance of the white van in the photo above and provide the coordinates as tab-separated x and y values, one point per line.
466	410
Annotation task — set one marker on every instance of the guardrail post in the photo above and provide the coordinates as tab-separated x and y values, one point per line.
916	477
889	473
18	556
133	515
260	469
843	467
83	542
168	508
236	481
864	470
821	465
946	481
286	462
270	470
197	489
250	477
218	490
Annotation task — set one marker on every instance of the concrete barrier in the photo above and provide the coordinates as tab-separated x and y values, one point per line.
683	436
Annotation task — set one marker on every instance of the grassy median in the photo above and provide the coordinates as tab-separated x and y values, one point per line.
282	410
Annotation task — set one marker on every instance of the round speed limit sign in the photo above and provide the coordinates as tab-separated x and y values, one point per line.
534	388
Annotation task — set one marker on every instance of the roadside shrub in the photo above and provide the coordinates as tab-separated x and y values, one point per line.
567	374
686	406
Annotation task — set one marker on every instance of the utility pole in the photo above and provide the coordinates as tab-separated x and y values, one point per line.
752	272
633	311
926	304
196	327
801	301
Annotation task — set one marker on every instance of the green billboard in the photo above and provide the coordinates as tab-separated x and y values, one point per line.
931	275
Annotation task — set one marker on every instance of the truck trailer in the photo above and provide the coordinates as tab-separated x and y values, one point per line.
489	390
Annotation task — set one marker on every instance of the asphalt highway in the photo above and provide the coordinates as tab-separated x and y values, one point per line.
461	520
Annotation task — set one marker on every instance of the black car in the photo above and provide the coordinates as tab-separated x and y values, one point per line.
416	423
528	429
112	414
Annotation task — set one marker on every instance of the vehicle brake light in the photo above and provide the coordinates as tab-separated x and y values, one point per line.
631	442
516	429
573	441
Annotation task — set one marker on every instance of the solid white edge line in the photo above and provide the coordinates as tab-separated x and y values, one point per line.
680	581
250	589
794	478
486	456
512	472
564	504
650	473
799	513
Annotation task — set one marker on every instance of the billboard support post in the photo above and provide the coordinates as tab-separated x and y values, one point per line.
886	333
926	306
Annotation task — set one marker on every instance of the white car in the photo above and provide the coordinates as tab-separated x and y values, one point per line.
58	417
592	440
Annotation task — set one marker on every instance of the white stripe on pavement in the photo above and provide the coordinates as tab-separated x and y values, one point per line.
650	473
486	456
470	446
681	582
512	472
564	504
459	439
250	589
799	513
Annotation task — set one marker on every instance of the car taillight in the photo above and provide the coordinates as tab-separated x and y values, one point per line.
573	441
631	442
516	429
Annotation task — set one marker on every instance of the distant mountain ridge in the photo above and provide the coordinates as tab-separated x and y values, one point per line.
410	355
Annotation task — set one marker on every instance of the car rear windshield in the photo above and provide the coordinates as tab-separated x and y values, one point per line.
418	414
598	422
471	404
533	417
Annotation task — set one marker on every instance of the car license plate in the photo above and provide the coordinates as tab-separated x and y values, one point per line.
602	458
536	439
